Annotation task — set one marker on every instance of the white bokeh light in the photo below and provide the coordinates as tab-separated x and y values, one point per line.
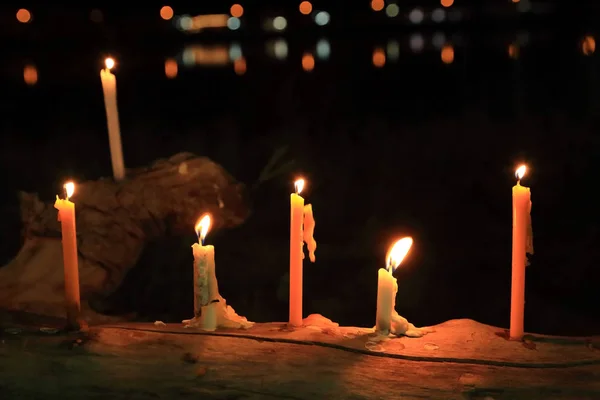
392	10
322	18
235	52
393	50
280	48
416	16
438	40
279	23
438	15
185	22
323	49
417	43
234	23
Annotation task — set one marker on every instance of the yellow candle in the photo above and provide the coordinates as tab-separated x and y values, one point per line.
206	289
66	216
109	87
521	222
387	286
296	254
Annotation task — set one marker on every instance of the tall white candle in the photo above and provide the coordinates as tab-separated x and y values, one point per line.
206	289
109	87
387	286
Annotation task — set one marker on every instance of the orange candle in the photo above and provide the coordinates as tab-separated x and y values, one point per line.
521	226
66	216
109	87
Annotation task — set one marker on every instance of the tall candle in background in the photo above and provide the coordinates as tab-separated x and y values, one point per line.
296	254
205	280
387	286
521	223
109	86
66	216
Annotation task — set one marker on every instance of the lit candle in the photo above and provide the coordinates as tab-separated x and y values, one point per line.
206	289
300	215
109	86
66	216
520	246
387	286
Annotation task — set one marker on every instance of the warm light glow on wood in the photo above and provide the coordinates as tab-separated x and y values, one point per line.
377	5
299	185
588	46
447	3
308	62
30	75
397	253
23	16
110	63
305	7
69	189
447	54
378	58
171	68
166	13
236	10
239	66
202	227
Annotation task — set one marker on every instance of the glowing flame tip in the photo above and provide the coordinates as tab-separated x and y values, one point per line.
110	63
70	189
520	173
299	185
397	252
203	226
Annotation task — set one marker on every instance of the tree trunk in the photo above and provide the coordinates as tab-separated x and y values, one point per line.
114	222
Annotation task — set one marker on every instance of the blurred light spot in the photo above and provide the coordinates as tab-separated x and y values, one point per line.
447	54
109	63
280	49
416	16
513	51
96	16
515	1
392	10
235	51
377	5
393	50
323	49
308	62
438	15
205	55
30	75
454	15
236	11
378	58
305	7
234	23
446	3
166	13
188	56
416	42
524	6
185	23
239	66
588	45
23	16
171	68
279	23
438	40
322	18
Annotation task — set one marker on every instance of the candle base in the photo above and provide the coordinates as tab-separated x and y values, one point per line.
401	327
218	315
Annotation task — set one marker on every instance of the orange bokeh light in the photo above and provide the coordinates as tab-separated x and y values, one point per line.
377	5
515	1
513	51
378	58
447	3
30	75
588	46
447	54
166	13
305	7
236	10
239	66
171	68
23	16
308	62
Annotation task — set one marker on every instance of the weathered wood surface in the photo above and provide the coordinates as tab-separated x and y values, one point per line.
114	222
461	360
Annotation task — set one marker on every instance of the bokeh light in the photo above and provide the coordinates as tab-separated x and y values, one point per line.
322	18
30	75
588	45
392	10
239	66
416	42
393	50
280	48
323	49
235	51
447	54
234	23
166	13
377	5
416	16
23	16
378	57
513	51
447	3
171	68
438	15
438	40
236	11
279	23
308	62
96	16
306	7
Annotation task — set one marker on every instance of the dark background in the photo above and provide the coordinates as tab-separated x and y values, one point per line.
417	147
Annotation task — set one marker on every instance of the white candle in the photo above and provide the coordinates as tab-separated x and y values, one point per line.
109	87
387	286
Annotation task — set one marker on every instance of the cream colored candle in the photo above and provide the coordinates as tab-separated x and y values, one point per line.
296	254
206	289
521	223
66	216
109	87
308	232
387	286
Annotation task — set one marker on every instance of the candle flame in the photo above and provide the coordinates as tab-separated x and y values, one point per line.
69	188
110	63
397	253
299	185
202	227
521	172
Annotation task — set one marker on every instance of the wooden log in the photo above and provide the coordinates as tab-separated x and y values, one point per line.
462	359
114	222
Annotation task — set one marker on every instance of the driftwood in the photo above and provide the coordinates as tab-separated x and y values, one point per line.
462	359
114	222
